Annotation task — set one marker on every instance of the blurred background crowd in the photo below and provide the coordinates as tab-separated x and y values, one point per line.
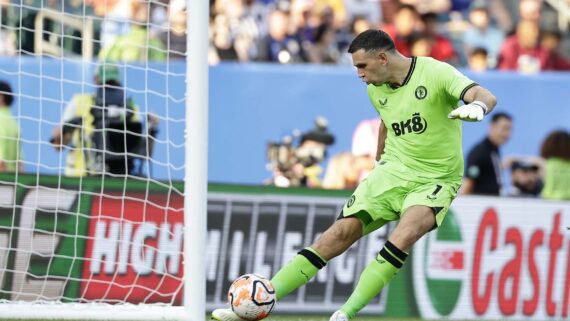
524	35
527	36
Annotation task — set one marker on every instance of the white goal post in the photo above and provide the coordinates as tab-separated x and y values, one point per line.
80	240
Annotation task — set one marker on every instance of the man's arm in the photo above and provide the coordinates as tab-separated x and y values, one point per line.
478	103
478	93
382	132
58	137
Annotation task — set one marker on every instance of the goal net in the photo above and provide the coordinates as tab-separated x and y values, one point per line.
92	129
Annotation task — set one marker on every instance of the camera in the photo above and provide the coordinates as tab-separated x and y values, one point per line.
117	135
296	164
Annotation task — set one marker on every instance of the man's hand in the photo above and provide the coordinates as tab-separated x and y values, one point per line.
474	111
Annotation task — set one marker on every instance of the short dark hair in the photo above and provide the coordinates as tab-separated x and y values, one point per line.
6	91
429	17
553	33
372	40
556	144
416	37
479	51
498	116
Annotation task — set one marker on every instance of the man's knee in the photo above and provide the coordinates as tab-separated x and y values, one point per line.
349	228
417	222
339	236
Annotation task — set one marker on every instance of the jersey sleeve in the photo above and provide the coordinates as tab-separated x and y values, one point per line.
453	81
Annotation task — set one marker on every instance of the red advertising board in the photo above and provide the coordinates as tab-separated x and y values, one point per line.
134	249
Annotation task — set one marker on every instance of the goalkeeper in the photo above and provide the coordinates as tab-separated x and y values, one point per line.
419	166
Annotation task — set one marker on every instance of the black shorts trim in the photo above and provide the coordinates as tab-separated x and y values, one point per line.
363	216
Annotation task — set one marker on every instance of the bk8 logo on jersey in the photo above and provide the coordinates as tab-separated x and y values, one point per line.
416	125
252	297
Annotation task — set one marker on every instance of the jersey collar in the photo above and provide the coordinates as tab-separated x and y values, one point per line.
410	72
408	75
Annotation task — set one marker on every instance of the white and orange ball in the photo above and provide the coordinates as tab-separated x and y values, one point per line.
252	297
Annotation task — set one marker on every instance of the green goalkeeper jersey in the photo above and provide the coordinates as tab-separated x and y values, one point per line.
422	142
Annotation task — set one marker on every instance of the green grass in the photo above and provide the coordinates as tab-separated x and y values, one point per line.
308	318
305	318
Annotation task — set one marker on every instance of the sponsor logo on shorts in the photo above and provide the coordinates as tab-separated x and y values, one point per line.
433	195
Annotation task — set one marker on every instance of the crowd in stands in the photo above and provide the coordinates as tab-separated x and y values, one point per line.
508	35
519	35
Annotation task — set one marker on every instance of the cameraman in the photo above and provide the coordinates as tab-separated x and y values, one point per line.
300	166
103	130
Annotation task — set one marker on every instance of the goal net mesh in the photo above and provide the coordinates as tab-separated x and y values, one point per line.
92	150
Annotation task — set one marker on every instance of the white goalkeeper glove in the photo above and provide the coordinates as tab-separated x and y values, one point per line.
474	111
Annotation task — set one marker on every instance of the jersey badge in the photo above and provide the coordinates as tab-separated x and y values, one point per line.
421	92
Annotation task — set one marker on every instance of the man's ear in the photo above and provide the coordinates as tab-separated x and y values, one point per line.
383	57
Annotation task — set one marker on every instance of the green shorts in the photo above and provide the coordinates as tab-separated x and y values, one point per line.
383	196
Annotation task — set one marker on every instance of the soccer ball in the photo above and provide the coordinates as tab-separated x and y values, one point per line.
252	297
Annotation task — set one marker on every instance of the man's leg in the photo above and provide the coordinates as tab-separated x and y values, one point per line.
415	222
336	239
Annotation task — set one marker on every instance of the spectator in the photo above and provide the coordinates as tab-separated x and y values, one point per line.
103	130
556	151
405	23
278	45
358	25
7	34
525	179
482	34
364	146
223	41
341	173
248	25
441	47
424	6
530	10
337	11
522	51
420	44
325	49
138	44
10	149
370	10
550	40
483	174
7	41
478	60
175	36
115	17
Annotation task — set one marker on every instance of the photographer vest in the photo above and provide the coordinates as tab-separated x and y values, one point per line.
80	158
